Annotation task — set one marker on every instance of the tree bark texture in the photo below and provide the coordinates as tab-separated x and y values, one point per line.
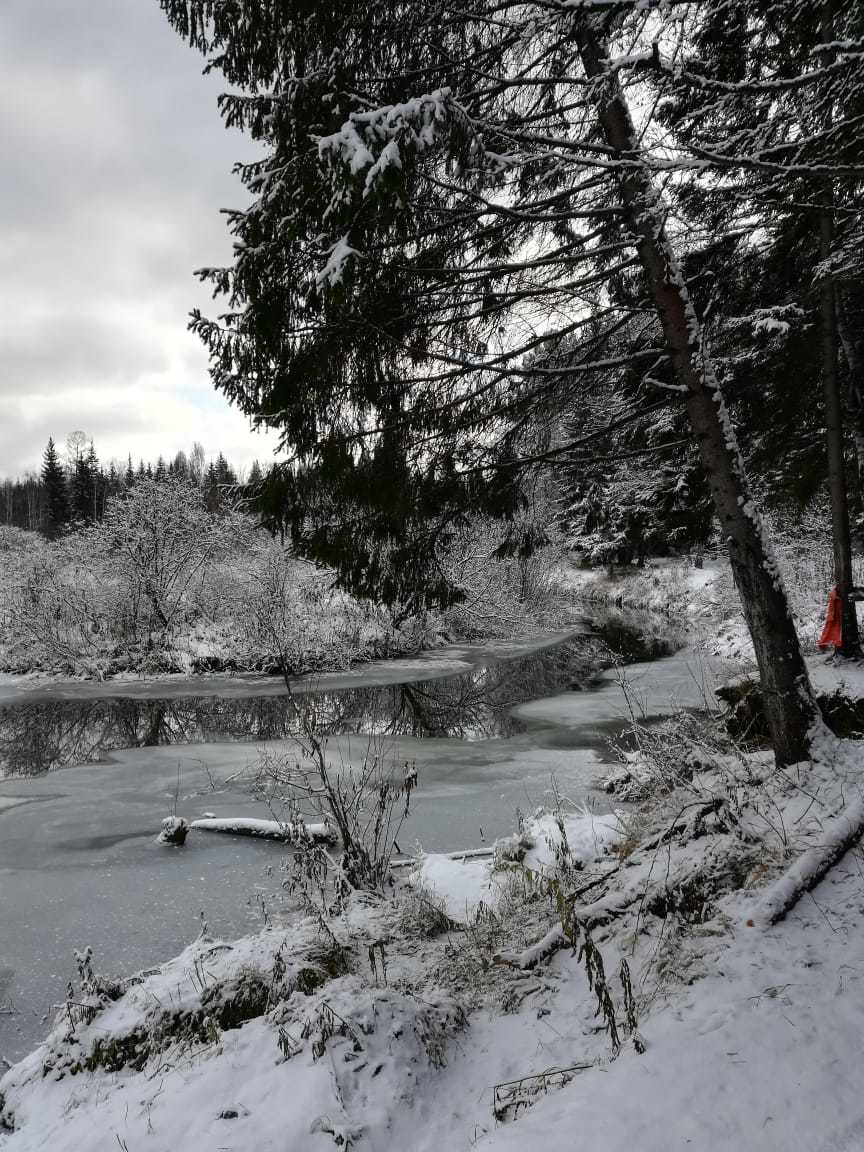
850	327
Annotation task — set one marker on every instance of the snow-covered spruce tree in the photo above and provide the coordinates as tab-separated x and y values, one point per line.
447	193
84	486
785	188
55	511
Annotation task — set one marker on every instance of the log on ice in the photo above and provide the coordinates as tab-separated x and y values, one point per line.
289	832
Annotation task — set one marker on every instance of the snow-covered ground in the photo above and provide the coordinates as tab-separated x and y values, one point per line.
383	1028
693	1009
704	600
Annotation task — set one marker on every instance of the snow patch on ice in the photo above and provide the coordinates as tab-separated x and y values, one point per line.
464	885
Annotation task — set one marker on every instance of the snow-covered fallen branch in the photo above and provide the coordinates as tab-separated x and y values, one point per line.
806	872
466	854
687	877
290	831
530	957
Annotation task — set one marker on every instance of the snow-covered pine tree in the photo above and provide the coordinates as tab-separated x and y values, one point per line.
83	486
55	506
447	196
789	76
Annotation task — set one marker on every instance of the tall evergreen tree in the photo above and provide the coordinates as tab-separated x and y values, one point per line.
212	495
97	483
181	466
55	508
449	197
783	74
83	486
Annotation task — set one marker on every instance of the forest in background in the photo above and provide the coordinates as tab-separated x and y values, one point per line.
74	486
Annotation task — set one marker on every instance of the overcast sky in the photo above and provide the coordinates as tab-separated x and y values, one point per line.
114	167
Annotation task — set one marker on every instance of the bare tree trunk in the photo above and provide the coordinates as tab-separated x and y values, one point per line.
851	331
790	709
850	644
850	641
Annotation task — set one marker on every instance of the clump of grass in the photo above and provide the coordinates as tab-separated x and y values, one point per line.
421	913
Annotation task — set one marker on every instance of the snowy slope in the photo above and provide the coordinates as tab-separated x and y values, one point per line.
369	1033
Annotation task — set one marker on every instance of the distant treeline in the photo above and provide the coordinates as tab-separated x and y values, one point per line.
75	487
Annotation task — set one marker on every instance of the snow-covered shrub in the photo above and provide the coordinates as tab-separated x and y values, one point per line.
131	579
164	584
294	618
70	610
421	912
159	537
18	549
366	803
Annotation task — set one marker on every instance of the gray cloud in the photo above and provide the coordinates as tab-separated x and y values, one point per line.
115	168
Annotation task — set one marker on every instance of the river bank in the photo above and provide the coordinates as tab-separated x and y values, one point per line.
78	860
452	996
425	664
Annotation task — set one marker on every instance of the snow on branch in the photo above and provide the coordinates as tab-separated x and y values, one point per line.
337	260
413	123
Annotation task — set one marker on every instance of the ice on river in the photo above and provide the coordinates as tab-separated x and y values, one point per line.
684	680
79	863
452	660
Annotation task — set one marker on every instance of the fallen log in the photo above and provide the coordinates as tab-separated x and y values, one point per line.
681	884
465	854
530	957
289	832
839	834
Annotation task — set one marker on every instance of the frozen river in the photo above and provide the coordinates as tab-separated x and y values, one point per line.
91	770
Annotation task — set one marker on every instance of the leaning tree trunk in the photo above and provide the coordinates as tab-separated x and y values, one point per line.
790	709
